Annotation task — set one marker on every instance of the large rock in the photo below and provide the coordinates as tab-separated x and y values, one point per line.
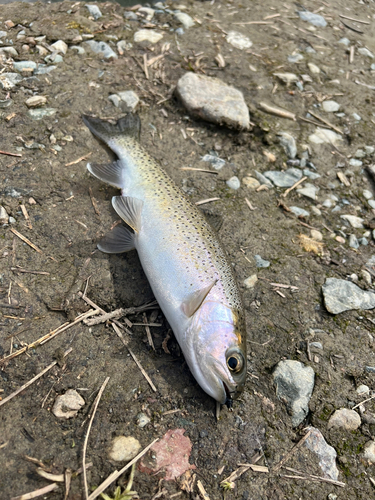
213	100
340	295
325	453
294	385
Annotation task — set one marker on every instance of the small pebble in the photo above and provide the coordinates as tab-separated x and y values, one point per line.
4	217
363	389
355	163
130	100
369	452
316	235
343	418
294	58
238	40
287	77
261	263
365	52
367	194
124	448
288	142
250	281
300	212
353	242
94	11
316	211
314	19
366	276
186	21
344	41
67	405
36	101
354	221
309	190
142	420
250	182
148	12
60	46
315	70
234	182
330	106
356	117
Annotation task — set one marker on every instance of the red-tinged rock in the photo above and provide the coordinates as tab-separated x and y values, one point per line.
171	454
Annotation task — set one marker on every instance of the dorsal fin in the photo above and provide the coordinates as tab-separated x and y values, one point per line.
130	210
195	300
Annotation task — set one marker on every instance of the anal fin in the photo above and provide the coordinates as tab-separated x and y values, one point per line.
119	240
112	173
195	300
130	210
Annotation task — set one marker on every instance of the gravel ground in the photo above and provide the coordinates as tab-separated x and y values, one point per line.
302	256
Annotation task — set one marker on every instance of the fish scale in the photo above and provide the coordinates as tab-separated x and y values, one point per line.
183	260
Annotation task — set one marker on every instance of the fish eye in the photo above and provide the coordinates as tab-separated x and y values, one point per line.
235	362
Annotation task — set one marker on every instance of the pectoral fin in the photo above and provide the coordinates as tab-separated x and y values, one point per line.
130	210
195	300
111	174
119	240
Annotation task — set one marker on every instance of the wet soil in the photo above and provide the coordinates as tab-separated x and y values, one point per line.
65	225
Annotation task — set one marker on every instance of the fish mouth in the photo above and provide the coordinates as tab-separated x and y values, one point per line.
229	398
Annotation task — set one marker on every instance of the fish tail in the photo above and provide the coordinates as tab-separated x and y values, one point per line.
112	134
129	125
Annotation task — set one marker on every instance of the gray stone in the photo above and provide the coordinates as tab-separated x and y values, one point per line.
363	241
345	41
186	21
355	163
300	212
345	419
11	51
80	50
356	117
370	369
369	452
130	100
316	211
148	12
234	182
12	220
367	194
124	448
365	52
43	69
38	114
9	80
54	58
315	70
3	34
239	40
67	405
263	180
322	136
261	263
284	179
354	221
372	205
287	77
341	295
35	101
215	161
314	19
311	175
295	58
149	36
366	276
330	106
250	281
309	190
131	16
213	100
288	142
60	46
101	48
294	385
369	150
325	453
123	46
363	389
22	65
316	235
4	217
94	11
353	242
115	99
142	420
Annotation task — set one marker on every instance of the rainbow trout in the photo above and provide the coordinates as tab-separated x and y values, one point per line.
185	264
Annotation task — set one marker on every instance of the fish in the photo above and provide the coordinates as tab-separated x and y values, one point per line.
186	265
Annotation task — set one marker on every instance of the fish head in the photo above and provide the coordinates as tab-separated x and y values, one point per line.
217	351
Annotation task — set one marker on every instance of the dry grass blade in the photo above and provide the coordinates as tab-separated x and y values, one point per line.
362	402
148	332
200	170
355	20
26	240
208	200
275	110
116	474
88	433
78	160
326	122
142	370
9	154
23	387
37	493
291	452
202	491
311	477
293	187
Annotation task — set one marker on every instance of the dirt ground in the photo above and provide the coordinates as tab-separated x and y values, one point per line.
69	211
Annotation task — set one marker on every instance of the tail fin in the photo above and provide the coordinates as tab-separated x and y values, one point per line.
129	125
